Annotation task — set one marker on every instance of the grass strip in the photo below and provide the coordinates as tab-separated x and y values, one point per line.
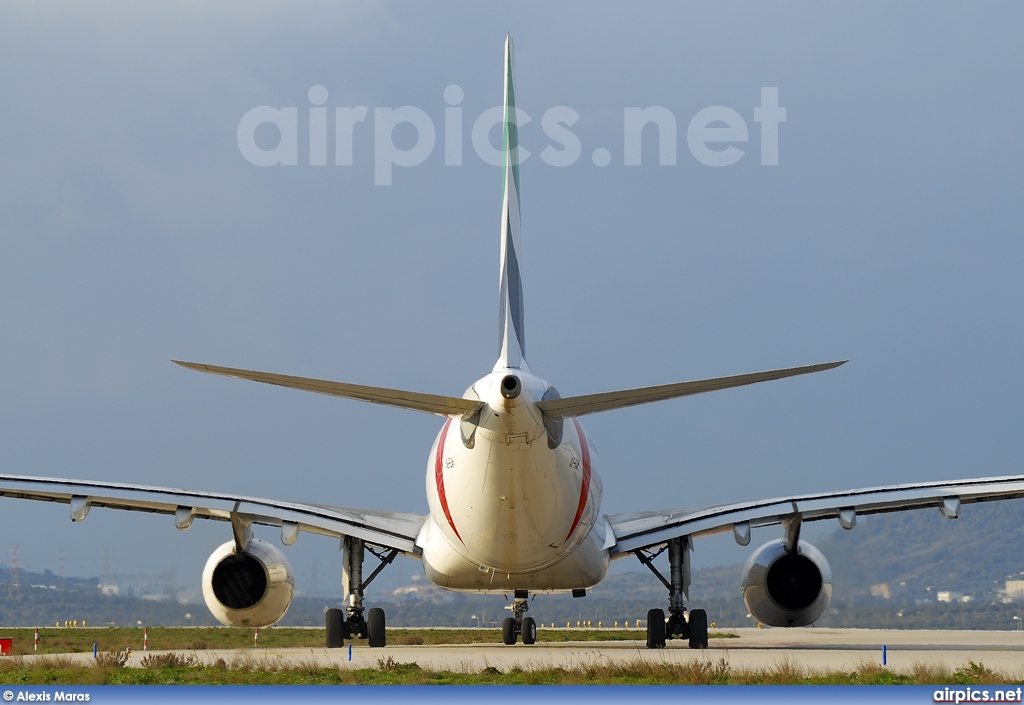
186	669
54	640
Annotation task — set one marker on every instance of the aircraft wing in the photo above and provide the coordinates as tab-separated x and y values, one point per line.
639	530
386	529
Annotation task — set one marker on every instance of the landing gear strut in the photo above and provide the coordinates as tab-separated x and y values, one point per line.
514	627
677	626
372	627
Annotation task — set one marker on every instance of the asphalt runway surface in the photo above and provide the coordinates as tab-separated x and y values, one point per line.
819	649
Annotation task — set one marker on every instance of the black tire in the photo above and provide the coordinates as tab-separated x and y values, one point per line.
508	631
375	628
529	630
335	628
655	629
698	623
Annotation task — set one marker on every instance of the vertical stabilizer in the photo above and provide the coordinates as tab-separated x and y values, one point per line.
510	322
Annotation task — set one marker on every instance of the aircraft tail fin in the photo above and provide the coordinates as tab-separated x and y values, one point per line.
511	329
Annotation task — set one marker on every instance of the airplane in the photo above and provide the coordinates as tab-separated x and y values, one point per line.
514	498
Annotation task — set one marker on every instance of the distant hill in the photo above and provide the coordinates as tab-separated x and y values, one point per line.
974	554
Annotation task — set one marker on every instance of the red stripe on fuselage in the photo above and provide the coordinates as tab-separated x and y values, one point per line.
585	485
439	477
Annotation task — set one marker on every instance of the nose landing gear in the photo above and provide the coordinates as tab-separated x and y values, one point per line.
514	627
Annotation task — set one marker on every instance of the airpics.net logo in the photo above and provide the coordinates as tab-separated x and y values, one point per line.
715	135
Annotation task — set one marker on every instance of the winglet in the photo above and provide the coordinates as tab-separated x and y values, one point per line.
511	331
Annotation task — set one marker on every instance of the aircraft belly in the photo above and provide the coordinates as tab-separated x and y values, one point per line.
510	507
584	567
515	509
516	512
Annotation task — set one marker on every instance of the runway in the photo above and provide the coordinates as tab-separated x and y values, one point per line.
819	649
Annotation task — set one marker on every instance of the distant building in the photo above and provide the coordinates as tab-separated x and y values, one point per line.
156	598
421	593
1014	588
881	590
950	596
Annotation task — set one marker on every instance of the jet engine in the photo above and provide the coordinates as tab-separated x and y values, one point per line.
249	589
784	589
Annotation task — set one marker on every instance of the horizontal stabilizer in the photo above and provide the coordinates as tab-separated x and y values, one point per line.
417	401
590	403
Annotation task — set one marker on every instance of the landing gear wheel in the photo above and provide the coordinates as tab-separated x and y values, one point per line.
376	633
698	629
529	630
335	628
655	629
508	631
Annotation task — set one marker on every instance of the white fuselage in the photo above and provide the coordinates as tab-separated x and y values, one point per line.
507	510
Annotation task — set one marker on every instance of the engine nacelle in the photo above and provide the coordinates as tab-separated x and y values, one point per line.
251	589
787	589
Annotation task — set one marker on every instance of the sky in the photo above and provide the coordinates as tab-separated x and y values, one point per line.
135	228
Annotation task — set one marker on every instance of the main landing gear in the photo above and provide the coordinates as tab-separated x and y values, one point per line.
372	627
677	626
514	627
